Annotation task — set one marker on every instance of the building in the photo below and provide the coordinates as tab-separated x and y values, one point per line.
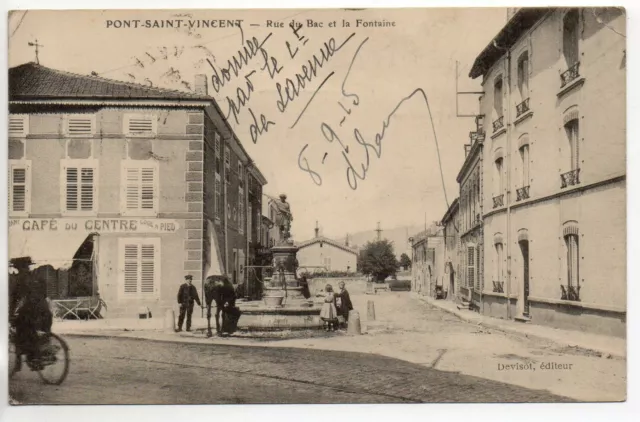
470	178
451	250
321	254
427	262
126	188
554	164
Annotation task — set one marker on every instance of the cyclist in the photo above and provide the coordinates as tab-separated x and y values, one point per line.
29	311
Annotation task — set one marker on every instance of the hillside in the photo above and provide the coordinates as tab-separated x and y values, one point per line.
399	236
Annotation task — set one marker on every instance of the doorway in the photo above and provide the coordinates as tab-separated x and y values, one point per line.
524	248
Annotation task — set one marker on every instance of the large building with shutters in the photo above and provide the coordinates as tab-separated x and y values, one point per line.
120	190
553	170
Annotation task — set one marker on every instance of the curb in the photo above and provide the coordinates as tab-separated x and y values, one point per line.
478	320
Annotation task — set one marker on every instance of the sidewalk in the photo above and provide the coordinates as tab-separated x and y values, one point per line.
434	334
603	345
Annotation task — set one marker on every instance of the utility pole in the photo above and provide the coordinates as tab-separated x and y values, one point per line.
379	231
36	45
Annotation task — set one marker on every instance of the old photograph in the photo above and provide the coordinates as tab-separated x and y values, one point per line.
317	206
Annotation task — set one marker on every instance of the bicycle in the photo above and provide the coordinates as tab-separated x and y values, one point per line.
52	365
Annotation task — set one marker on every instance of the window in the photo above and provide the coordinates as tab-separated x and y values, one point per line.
498	186
524	156
139	266
18	125
143	125
497	97
219	205
79	183
19	187
499	262
79	125
523	75
227	165
241	210
217	150
570	37
573	266
471	255
139	181
572	129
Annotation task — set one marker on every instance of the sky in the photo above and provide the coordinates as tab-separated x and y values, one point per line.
383	70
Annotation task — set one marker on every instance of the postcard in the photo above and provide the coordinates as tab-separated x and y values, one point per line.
317	206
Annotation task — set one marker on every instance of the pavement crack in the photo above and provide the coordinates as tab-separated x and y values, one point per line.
437	359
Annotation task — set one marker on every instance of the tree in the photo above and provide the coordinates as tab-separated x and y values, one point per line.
405	261
378	260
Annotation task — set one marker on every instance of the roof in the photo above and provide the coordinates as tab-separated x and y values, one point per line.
451	211
520	22
31	81
327	241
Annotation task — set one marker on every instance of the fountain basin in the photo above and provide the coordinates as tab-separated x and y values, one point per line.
258	316
273	301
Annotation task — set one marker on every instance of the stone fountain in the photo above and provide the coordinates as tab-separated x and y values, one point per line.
283	305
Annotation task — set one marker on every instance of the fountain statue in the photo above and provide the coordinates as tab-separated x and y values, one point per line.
285	264
283	306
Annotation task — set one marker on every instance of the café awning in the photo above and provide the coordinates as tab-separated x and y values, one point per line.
46	248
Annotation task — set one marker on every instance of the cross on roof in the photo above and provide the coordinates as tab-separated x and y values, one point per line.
36	45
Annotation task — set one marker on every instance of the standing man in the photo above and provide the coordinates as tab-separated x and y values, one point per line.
186	296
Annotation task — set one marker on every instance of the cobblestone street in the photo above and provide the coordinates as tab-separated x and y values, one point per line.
413	352
128	371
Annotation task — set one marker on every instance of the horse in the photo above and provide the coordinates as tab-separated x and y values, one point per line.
218	289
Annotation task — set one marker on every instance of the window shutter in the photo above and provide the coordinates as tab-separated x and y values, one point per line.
131	268
132	183
139	188
147	268
218	206
470	266
18	191
139	125
147	184
80	125
87	189
18	126
72	188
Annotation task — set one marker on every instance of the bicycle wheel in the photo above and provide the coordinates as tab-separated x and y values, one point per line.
57	364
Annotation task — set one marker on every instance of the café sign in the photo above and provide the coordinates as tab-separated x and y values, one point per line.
94	225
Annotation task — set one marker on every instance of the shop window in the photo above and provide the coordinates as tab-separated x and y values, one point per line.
139	266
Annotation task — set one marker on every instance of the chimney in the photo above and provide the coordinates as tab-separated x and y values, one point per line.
200	85
346	242
317	229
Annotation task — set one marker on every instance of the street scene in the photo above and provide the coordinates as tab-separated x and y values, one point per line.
316	206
